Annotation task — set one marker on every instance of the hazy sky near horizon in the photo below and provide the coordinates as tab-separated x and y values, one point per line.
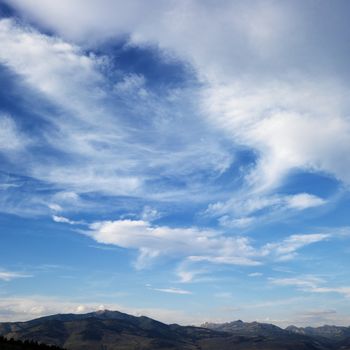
187	160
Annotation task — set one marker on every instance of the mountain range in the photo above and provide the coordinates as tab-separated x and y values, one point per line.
113	330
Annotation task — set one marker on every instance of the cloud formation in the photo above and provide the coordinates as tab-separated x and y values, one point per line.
11	275
311	284
155	241
194	245
87	125
172	291
244	48
287	249
11	139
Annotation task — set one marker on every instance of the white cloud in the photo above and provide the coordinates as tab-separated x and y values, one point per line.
345	291
172	291
11	139
93	128
153	241
195	30
304	201
243	222
145	257
278	118
287	249
187	273
61	71
230	260
279	121
132	83
245	209
64	220
258	90
194	245
150	214
186	276
55	207
70	79
255	274
311	284
11	275
304	283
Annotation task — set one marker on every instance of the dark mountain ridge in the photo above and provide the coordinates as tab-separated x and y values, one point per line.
246	328
337	333
114	330
334	337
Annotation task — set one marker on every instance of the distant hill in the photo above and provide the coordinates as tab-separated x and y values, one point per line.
274	337
330	332
113	330
340	336
248	329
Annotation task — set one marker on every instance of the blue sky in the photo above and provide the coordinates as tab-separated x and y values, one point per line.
186	160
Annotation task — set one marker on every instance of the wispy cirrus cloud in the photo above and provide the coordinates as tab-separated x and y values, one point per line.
172	291
255	274
11	139
91	106
312	284
62	219
188	272
7	276
265	97
303	282
272	114
251	208
287	249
